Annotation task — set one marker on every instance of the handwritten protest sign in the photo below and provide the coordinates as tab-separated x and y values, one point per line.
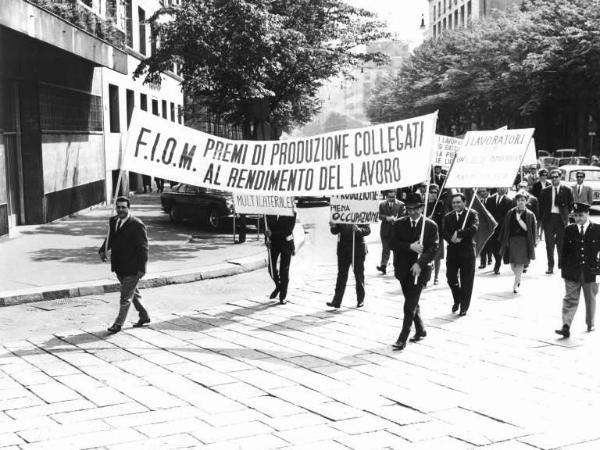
354	208
489	158
446	148
379	157
263	204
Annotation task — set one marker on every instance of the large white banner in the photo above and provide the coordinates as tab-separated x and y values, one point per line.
354	208
446	148
379	157
263	204
489	158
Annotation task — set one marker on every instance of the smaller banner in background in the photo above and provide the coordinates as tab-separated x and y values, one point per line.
446	148
263	204
355	208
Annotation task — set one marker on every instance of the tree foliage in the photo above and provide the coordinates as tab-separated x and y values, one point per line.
260	60
501	70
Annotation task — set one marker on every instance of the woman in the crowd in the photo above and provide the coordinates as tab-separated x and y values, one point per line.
519	237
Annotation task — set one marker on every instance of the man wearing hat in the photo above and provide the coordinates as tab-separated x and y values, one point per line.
459	230
555	205
412	262
438	177
579	267
498	205
581	192
389	211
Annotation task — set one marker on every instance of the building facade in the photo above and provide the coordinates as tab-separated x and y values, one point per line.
453	14
66	96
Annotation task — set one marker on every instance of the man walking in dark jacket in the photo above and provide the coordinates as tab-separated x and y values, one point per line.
279	234
412	263
128	244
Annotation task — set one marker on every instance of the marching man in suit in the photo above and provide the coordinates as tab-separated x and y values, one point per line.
498	205
413	259
279	234
555	206
389	211
128	243
581	192
579	268
460	257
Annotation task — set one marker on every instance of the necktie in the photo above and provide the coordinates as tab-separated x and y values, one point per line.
497	200
119	223
413	224
581	230
579	190
555	196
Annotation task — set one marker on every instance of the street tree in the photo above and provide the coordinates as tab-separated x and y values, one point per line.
259	63
500	70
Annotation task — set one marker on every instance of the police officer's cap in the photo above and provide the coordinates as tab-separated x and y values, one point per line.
580	207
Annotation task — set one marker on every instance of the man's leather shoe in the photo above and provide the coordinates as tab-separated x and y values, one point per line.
591	328
274	293
333	305
282	301
382	269
462	313
564	331
482	266
360	303
141	322
114	329
496	271
418	336
399	345
549	271
455	307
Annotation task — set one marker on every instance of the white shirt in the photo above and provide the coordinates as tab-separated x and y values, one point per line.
554	208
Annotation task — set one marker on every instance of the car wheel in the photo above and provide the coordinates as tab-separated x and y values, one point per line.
175	214
213	219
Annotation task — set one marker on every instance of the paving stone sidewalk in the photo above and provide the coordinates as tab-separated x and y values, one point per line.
253	375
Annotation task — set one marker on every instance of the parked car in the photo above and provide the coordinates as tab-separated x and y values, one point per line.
592	177
564	152
208	206
547	161
312	201
580	160
543	153
564	161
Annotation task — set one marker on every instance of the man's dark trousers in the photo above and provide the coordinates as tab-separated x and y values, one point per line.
463	268
281	277
344	257
412	294
554	233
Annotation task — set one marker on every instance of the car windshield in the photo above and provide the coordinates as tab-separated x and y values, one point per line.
590	175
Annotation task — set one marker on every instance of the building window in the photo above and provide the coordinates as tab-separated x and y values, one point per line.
434	11
152	40
129	23
456	19
113	108
439	9
155	108
444	24
144	102
462	16
179	114
172	112
130	103
450	21
142	25
164	109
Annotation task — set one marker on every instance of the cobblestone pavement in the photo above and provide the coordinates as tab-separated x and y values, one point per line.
252	375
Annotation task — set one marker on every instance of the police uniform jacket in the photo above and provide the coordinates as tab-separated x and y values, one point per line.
128	245
580	253
281	227
403	235
465	248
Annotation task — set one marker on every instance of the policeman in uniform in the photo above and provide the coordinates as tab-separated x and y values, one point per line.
579	267
413	259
